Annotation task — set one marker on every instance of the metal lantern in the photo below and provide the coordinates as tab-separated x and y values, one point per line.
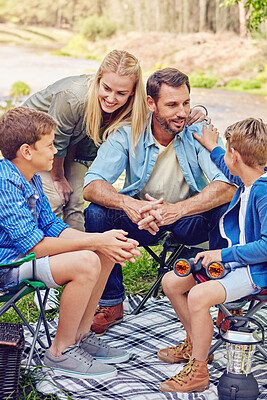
237	382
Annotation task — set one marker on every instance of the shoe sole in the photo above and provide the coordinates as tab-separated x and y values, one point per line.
113	360
82	375
112	323
199	389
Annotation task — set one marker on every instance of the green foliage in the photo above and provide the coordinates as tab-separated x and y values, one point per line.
262	76
20	88
237	84
200	80
159	65
234	83
252	84
6	105
27	390
61	52
138	276
256	9
95	27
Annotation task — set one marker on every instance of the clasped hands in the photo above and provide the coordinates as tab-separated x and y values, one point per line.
154	214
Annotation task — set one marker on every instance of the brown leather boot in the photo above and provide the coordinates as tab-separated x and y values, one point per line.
176	354
179	354
194	377
105	317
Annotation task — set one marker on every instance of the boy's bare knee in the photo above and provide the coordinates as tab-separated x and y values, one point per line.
88	265
197	298
167	282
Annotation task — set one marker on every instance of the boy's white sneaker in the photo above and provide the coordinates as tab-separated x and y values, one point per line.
75	362
101	351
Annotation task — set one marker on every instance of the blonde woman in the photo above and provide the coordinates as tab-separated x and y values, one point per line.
87	109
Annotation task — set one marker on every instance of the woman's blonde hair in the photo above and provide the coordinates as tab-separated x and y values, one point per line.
133	113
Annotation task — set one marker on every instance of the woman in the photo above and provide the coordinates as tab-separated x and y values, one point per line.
87	109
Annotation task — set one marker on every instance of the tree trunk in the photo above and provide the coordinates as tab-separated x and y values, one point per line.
185	16
202	15
242	18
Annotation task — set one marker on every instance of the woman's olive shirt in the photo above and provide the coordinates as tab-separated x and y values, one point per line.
65	100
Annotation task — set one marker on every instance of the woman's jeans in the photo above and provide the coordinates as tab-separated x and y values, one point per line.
191	230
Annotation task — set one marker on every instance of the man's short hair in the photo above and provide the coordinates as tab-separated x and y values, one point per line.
22	125
170	76
249	138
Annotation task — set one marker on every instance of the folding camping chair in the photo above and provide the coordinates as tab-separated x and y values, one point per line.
171	250
9	295
255	303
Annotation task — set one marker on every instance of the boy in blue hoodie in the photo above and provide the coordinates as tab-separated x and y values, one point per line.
244	225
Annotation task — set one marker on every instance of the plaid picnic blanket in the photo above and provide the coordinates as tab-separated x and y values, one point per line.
138	379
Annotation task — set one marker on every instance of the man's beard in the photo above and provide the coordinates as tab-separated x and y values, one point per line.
164	124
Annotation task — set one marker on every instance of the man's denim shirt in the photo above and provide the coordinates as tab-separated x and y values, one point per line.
115	155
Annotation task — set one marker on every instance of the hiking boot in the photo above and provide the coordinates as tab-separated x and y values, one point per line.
75	362
101	351
225	325
106	317
194	377
178	354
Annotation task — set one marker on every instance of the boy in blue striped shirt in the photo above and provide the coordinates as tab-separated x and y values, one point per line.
64	255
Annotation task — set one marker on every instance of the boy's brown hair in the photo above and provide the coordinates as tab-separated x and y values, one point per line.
249	138
22	125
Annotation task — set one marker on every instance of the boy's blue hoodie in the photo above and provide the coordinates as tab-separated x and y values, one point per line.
254	252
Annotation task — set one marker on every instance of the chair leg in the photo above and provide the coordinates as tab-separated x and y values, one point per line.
262	350
42	319
216	345
164	266
42	311
140	306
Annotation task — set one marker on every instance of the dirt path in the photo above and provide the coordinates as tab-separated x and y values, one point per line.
39	69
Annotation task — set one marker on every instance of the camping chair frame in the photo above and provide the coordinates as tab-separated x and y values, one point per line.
164	261
256	302
13	294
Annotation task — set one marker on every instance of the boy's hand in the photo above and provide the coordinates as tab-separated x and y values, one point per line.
117	247
208	257
209	137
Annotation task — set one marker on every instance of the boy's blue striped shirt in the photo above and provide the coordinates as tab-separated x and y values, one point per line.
19	232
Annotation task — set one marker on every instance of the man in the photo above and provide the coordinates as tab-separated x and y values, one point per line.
169	179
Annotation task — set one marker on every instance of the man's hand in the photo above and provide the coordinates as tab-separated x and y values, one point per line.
208	257
132	208
64	190
162	213
209	137
196	115
117	247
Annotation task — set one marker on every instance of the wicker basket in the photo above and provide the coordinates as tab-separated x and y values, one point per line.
11	348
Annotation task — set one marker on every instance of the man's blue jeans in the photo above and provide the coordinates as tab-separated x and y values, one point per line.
191	230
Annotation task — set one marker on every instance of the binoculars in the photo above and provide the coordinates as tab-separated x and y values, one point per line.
215	269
